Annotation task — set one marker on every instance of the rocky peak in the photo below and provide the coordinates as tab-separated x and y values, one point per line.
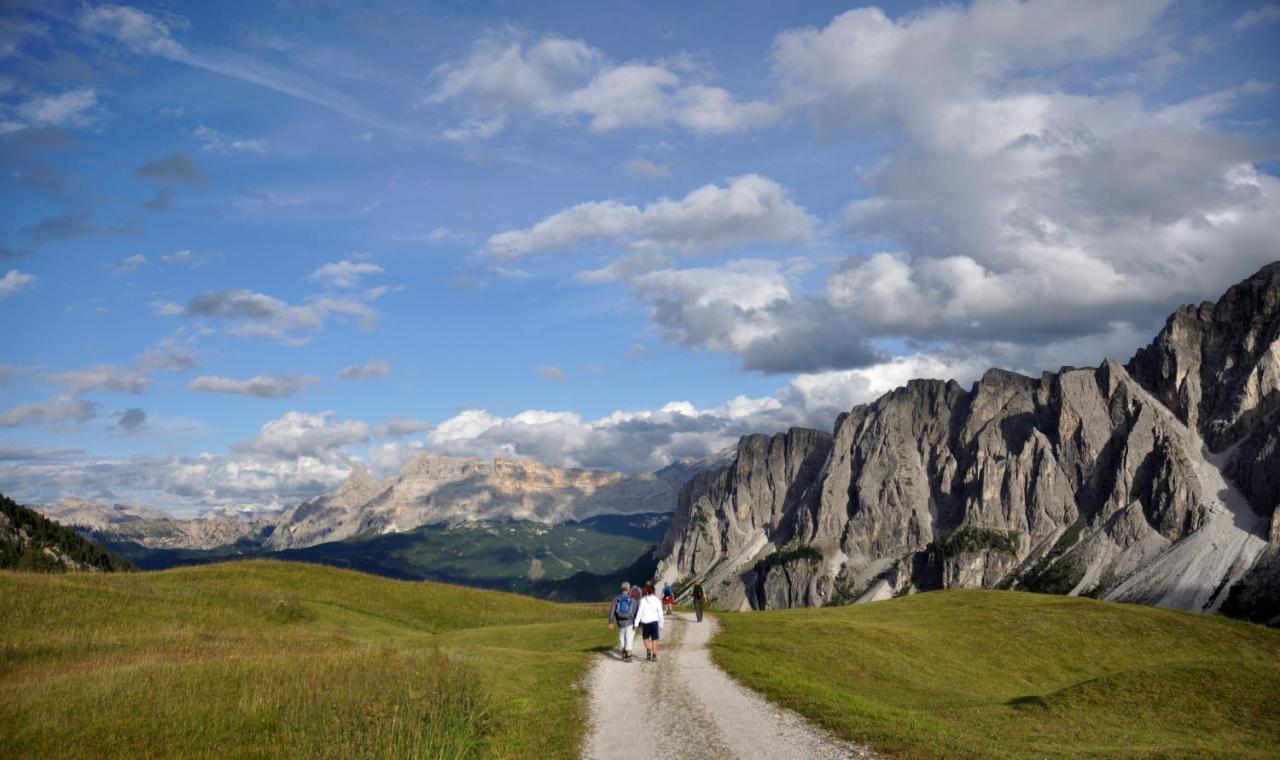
1090	480
1217	365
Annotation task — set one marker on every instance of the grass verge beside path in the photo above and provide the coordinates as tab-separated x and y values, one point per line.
268	659
1005	674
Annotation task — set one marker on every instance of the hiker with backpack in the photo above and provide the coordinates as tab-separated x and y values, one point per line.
649	620
668	599
699	599
622	615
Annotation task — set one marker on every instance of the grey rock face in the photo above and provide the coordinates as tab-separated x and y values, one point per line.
1218	365
725	517
1082	481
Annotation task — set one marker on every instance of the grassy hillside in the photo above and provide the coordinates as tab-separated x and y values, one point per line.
1003	674
31	541
511	556
261	658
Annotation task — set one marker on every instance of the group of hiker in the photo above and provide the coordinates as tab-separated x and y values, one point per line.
640	608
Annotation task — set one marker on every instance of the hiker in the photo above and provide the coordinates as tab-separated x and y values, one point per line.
649	621
668	599
699	598
635	593
622	616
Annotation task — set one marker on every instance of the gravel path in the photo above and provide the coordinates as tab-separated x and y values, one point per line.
684	706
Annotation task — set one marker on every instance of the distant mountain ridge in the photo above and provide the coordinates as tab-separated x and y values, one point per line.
1155	481
430	490
445	490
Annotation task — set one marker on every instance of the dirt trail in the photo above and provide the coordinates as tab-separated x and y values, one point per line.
684	706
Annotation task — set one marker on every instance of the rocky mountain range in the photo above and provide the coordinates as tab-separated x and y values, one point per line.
430	490
1154	481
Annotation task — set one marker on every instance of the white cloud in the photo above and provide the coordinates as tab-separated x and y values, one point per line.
557	78
105	377
65	407
260	386
1024	212
166	309
165	356
748	309
15	282
257	315
298	434
629	441
374	368
68	108
345	273
552	372
748	209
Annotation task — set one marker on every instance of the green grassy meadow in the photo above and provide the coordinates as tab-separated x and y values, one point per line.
269	659
996	674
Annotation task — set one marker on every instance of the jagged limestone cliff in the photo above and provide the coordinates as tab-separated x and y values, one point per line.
1106	481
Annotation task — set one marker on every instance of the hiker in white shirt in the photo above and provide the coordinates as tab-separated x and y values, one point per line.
649	620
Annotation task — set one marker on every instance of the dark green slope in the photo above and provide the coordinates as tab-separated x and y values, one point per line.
31	541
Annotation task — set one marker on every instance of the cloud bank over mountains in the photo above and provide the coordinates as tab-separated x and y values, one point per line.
1026	186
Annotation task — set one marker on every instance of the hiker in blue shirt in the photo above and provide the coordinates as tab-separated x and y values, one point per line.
622	613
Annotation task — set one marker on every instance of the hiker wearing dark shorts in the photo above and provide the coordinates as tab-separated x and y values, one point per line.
622	615
699	599
649	621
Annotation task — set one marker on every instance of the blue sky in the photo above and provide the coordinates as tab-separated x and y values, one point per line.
247	245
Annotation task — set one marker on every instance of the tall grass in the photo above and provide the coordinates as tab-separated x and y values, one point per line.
956	674
264	659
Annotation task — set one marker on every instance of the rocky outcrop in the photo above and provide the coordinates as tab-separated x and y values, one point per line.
1105	481
725	518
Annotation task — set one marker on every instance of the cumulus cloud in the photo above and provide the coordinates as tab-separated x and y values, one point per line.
1020	211
15	282
748	309
634	441
345	273
257	315
556	78
373	368
747	209
294	457
299	434
260	386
